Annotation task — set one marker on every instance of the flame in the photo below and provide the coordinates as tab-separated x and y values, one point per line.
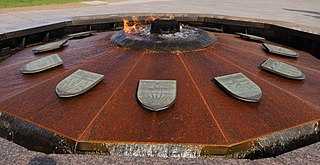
150	19
131	27
171	17
135	26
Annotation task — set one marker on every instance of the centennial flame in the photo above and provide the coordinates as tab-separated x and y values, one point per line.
131	27
150	19
171	17
135	26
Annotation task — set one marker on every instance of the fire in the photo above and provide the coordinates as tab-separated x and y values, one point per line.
135	26
131	27
171	17
150	19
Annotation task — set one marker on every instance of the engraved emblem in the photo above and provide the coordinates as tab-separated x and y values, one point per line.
280	50
50	46
80	35
211	29
156	95
250	37
282	69
240	87
42	64
78	83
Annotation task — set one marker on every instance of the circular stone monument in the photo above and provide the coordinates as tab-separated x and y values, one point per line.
203	120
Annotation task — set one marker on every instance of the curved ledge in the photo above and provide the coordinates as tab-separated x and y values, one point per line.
270	145
302	37
40	139
32	136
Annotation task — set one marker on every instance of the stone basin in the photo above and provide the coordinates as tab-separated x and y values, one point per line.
203	122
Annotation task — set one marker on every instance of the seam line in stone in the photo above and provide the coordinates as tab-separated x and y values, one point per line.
34	86
293	64
203	99
111	96
295	96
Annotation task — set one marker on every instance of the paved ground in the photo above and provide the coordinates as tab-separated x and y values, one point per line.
303	12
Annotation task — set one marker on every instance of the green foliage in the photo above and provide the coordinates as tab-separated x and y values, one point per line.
19	3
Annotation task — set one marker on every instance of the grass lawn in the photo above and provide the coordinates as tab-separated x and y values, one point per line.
20	3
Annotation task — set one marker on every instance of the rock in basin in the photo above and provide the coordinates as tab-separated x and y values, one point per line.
188	39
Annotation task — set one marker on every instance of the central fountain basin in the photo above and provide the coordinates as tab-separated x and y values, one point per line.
164	35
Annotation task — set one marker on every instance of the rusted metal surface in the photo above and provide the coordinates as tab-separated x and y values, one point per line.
187	121
203	115
66	116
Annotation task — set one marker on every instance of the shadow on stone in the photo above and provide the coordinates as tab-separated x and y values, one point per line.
43	160
312	16
303	11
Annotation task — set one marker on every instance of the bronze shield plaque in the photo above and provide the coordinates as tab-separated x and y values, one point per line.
280	50
42	64
80	35
50	46
250	37
282	69
240	86
78	83
156	95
